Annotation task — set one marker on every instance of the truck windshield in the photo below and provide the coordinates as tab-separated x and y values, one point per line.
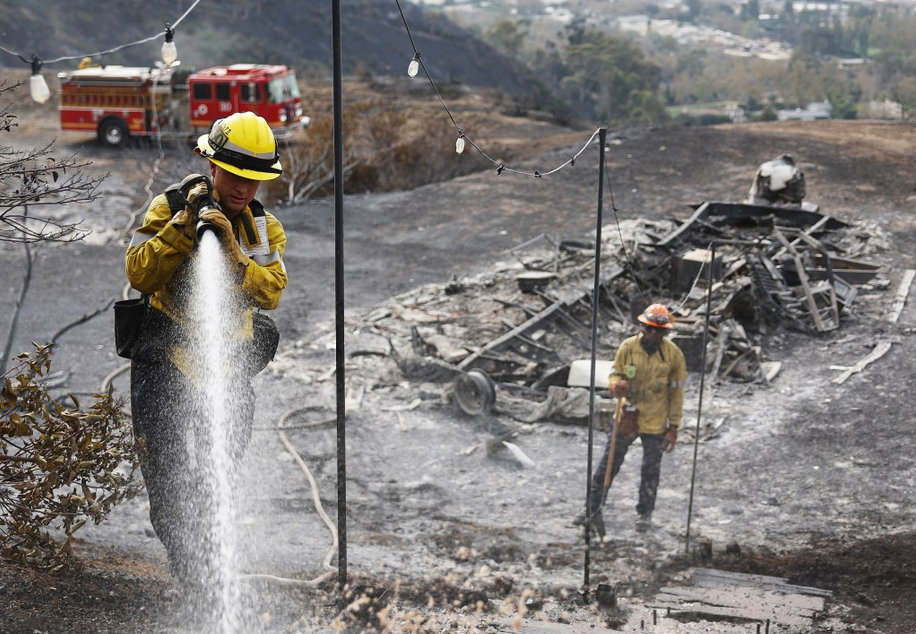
283	88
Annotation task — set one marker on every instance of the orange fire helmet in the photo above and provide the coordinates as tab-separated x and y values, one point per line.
657	315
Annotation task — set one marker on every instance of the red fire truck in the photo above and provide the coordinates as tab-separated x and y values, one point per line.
118	102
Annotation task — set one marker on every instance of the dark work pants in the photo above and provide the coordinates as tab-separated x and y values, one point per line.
176	460
649	476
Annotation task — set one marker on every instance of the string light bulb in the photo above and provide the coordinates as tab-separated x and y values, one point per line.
414	67
169	50
38	87
459	144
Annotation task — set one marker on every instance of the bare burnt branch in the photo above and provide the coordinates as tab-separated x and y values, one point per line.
32	178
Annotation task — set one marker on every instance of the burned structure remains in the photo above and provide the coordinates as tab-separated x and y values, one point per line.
730	273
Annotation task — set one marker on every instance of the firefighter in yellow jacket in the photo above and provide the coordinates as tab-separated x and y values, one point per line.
649	372
165	375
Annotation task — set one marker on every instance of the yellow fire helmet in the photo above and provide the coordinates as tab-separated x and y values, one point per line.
243	144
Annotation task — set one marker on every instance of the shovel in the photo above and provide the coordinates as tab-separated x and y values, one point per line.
597	520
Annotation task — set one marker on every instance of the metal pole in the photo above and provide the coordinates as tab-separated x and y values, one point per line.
696	438
26	282
339	304
602	140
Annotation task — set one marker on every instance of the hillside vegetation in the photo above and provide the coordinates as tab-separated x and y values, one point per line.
588	69
373	37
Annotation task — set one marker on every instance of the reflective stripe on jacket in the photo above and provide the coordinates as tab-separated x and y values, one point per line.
159	253
657	389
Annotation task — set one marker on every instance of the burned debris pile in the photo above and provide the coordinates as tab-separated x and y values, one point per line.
730	273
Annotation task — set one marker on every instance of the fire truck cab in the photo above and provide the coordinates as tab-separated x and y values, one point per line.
118	102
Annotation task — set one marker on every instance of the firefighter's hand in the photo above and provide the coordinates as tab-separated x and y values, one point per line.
186	221
226	237
199	197
621	388
669	440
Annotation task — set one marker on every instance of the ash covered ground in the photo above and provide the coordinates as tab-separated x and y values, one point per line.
805	478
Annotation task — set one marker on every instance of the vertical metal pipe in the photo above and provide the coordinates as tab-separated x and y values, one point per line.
602	140
26	282
696	439
339	303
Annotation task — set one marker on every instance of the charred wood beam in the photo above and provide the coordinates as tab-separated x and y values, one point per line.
562	329
736	212
530	312
827	317
519	342
553	313
794	243
613	300
777	299
504	340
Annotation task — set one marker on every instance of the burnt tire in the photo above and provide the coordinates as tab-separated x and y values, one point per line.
113	133
475	392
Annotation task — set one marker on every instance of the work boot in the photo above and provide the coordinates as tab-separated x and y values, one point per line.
581	517
597	521
643	522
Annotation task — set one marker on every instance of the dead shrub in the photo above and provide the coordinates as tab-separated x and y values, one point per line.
59	466
383	151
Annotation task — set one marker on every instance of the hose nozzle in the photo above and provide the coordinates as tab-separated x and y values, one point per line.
203	227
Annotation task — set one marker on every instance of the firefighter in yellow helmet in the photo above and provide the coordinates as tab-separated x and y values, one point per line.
648	381
166	382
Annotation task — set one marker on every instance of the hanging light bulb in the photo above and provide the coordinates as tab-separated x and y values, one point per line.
169	50
459	144
38	87
413	67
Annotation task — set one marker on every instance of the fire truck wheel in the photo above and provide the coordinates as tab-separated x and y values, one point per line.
112	132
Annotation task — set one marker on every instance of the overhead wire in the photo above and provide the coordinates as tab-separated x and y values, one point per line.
107	51
501	167
462	134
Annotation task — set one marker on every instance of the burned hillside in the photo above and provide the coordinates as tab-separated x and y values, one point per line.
804	479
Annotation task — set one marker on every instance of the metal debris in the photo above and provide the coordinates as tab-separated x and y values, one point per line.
507	339
718	595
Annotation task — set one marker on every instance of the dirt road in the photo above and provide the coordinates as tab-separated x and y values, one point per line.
811	480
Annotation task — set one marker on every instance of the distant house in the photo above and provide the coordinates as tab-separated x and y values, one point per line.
885	109
851	63
639	24
812	112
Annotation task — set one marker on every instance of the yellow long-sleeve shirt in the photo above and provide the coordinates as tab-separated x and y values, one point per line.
656	382
157	265
158	251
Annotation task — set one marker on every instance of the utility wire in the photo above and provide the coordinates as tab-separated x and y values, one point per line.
105	52
500	167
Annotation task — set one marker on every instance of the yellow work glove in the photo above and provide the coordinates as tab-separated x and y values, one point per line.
185	221
226	237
